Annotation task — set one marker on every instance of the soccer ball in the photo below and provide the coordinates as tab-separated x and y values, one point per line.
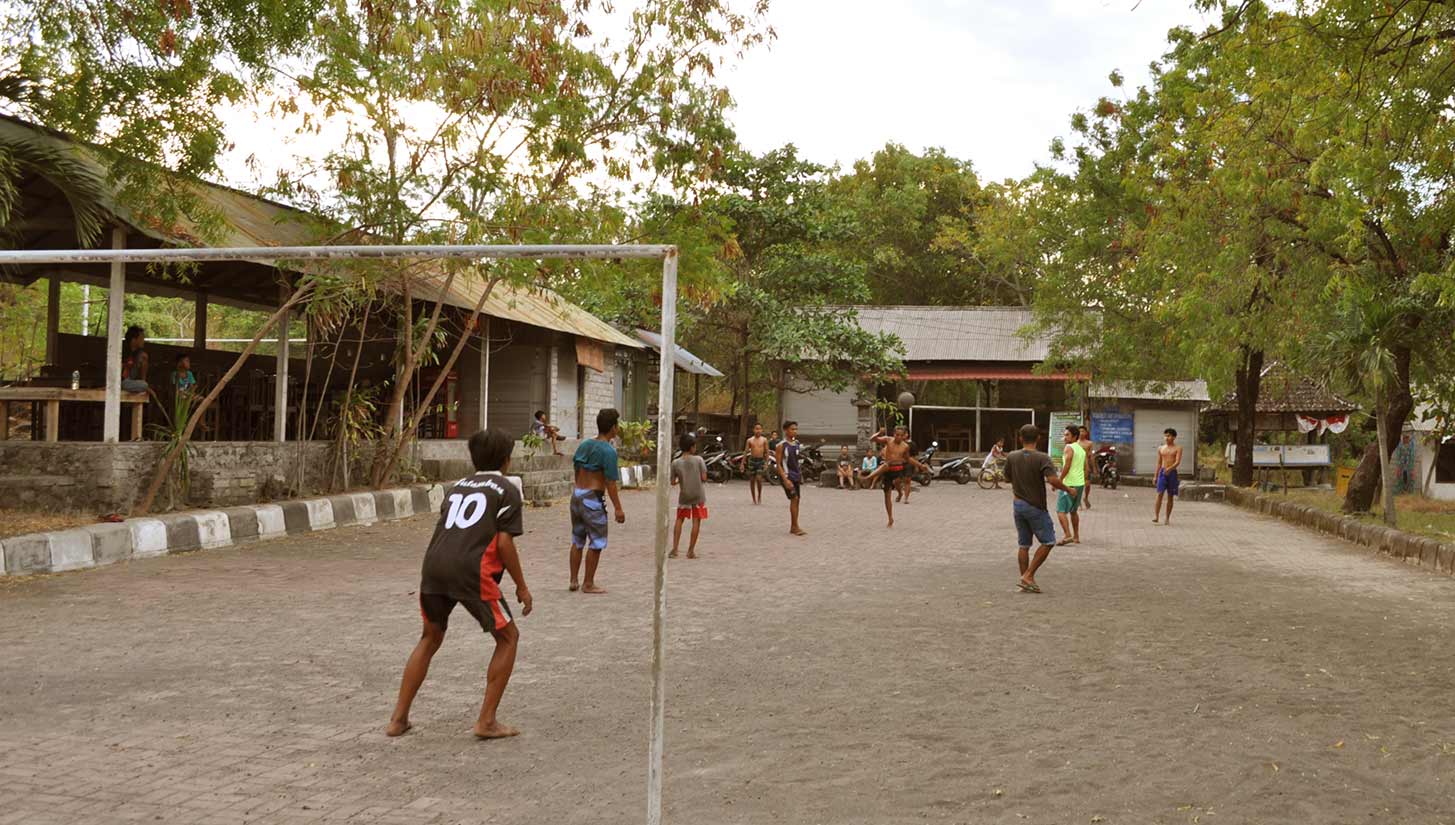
906	400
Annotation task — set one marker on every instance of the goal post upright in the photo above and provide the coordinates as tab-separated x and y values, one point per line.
665	399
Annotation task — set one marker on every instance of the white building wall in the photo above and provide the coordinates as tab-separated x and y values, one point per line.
821	413
563	404
601	389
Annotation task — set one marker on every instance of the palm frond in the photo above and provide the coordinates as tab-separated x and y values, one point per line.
82	185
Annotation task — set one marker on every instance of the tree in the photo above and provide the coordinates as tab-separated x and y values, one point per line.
145	81
915	229
474	122
772	287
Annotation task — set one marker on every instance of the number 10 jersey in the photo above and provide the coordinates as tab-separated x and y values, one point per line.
462	561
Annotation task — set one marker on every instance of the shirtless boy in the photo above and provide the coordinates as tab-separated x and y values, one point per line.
597	477
757	463
1169	458
895	466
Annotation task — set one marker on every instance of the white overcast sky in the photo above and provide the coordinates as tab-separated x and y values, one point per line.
990	81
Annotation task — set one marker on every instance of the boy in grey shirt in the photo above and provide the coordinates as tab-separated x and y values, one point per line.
689	474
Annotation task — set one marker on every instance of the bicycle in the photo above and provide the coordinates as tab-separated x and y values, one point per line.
990	477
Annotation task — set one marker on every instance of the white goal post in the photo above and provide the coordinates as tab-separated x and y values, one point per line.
118	258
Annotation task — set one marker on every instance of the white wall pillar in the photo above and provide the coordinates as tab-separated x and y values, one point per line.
115	306
280	387
484	412
553	371
52	318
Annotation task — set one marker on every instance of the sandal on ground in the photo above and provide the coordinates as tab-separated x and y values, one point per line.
1028	588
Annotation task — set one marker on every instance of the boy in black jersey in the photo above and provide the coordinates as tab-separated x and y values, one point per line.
473	545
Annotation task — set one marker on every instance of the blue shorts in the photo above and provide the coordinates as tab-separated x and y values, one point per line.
1033	523
588	519
1167	482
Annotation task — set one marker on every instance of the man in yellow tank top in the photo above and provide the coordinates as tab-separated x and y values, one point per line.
1073	475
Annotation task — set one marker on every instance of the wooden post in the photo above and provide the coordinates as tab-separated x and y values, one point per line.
52	319
199	321
115	306
697	399
280	387
485	375
663	515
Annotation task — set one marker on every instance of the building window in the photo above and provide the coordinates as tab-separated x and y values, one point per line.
1445	462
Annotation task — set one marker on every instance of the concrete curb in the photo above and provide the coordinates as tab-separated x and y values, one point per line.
1415	550
96	545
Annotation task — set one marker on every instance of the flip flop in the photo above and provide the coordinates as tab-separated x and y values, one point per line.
1064	542
1028	588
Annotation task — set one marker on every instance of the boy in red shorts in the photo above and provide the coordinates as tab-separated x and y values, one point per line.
689	474
473	545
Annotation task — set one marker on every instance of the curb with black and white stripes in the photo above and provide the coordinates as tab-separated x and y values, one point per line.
96	545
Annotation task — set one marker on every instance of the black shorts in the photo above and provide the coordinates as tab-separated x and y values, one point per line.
892	476
492	615
792	489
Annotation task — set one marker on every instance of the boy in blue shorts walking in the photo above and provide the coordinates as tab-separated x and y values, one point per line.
596	479
1029	471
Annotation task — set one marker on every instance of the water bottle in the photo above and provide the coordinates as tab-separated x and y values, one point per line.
76	380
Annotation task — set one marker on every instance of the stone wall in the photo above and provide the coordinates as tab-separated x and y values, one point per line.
108	478
600	394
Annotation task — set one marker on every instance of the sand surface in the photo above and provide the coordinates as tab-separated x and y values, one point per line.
1227	669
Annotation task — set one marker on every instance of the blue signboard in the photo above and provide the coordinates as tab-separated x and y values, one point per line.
1111	427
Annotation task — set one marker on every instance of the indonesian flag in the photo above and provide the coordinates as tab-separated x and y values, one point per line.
1335	424
1308	424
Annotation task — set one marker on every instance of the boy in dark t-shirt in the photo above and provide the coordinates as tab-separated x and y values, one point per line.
472	547
1029	471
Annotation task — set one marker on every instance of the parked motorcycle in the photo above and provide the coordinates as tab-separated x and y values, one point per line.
923	477
719	466
958	470
1106	466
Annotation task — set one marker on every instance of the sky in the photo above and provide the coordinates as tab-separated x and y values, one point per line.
990	81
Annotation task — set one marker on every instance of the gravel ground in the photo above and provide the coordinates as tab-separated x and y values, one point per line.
1226	669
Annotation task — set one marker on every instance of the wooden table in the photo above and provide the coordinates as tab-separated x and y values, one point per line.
53	396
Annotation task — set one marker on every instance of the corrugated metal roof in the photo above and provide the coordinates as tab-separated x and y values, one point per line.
255	221
958	333
1152	391
685	361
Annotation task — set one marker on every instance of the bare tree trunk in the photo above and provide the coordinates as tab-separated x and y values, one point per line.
1249	382
1386	477
412	357
169	458
1398	404
384	469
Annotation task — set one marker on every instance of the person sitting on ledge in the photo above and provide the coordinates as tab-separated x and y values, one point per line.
547	432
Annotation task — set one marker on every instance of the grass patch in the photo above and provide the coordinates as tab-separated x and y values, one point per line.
1416	514
21	522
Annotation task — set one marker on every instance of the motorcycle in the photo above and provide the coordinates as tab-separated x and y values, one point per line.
719	469
1106	466
923	477
810	463
958	470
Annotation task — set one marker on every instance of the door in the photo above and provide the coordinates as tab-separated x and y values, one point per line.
1147	429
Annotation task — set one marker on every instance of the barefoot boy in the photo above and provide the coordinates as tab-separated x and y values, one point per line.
1169	458
788	468
895	468
689	474
473	544
597	477
756	461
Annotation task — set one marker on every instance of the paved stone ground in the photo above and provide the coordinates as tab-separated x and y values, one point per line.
1227	669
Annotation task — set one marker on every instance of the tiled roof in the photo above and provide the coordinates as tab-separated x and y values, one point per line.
1283	391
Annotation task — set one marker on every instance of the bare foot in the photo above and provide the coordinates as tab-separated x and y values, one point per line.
397	728
1155	521
591	588
673	555
691	555
495	730
891	522
574	587
797	532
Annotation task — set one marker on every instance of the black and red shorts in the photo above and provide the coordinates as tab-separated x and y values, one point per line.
890	477
492	614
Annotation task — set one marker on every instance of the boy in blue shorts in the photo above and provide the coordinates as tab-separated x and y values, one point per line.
472	546
1169	459
597	478
1029	471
